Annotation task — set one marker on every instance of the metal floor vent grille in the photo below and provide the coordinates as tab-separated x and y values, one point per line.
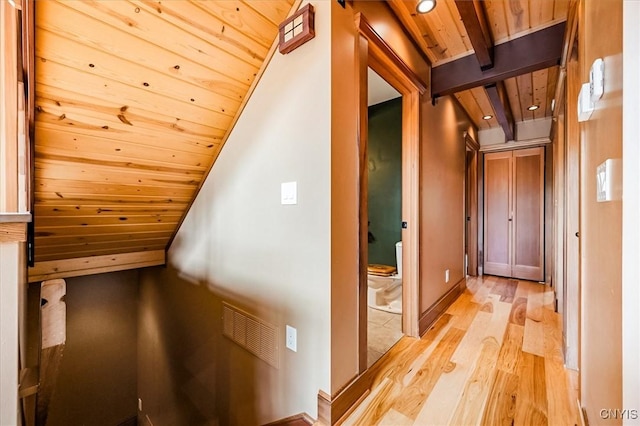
257	336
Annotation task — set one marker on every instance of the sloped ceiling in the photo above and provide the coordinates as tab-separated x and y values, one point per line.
134	100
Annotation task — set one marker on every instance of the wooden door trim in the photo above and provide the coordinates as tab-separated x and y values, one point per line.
363	199
472	192
374	52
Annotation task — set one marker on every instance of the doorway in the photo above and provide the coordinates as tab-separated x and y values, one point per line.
384	206
373	52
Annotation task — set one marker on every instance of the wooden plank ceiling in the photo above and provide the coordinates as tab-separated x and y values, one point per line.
443	37
134	100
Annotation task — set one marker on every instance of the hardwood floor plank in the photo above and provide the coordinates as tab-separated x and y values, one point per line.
509	357
441	403
471	407
533	341
535	302
463	312
476	391
501	405
506	288
473	283
549	298
370	404
426	378
531	403
459	306
552	335
394	418
510	291
427	350
518	311
561	406
480	296
402	352
522	290
489	324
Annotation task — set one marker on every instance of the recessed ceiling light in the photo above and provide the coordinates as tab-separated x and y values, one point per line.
533	107
487	117
425	6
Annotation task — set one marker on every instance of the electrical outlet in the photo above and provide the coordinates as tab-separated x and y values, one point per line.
292	338
446	276
139	404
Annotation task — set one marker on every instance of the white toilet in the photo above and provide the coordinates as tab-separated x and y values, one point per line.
385	292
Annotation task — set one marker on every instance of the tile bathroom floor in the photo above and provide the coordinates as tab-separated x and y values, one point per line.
383	331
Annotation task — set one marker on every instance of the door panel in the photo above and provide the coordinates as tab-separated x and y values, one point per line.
497	213
528	199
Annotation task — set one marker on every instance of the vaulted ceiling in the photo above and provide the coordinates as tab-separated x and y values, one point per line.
135	98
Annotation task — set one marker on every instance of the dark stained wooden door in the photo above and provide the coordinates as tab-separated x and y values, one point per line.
497	212
514	214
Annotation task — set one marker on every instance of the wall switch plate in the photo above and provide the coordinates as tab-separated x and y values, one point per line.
291	338
289	193
446	276
585	105
609	181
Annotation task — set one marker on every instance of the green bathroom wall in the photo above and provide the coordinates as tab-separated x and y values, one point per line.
385	180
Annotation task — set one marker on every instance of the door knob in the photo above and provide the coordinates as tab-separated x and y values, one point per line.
578	234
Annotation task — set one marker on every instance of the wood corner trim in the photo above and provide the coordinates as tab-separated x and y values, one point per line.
95	265
13	232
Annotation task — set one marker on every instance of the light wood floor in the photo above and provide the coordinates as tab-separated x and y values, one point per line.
494	358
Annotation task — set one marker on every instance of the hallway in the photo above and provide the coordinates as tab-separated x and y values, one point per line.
494	358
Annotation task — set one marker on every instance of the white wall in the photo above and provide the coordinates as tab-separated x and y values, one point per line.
241	240
525	130
630	208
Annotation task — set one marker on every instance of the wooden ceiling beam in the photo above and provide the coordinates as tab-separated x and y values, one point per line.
500	101
532	52
475	22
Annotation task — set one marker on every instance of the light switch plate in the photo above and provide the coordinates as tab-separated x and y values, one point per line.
609	181
289	193
585	105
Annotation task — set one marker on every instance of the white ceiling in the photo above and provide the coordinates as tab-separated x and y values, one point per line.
379	89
